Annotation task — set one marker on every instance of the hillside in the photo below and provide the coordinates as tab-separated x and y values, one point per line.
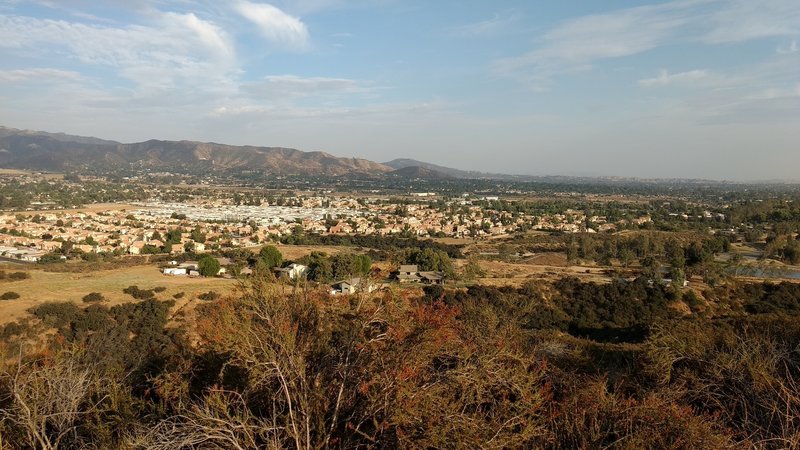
403	163
23	149
417	172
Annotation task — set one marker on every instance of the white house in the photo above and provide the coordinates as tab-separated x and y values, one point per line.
293	271
352	286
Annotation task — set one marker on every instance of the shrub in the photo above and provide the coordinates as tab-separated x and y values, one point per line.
744	372
56	314
13	329
10	295
93	297
159	289
179	295
209	296
15	276
139	294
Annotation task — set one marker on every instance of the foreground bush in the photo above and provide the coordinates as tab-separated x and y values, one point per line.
594	417
275	367
745	372
385	373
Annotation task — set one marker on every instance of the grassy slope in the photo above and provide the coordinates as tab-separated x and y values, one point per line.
46	286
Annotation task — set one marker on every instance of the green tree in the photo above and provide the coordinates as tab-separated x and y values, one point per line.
271	256
675	254
319	266
198	235
173	236
349	265
431	259
208	266
791	253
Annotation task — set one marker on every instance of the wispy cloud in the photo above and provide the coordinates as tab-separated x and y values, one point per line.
498	24
767	92
257	112
275	25
792	47
743	20
173	49
293	86
665	78
577	44
38	75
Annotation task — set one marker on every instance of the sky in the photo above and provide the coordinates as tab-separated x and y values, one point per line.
671	89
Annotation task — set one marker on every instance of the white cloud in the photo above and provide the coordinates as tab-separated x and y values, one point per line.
258	111
174	50
39	75
498	24
275	25
304	7
665	78
292	86
793	47
577	44
742	20
766	92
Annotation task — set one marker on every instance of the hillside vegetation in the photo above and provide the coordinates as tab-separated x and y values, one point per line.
548	365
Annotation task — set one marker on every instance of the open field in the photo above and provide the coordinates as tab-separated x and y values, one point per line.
55	286
516	274
47	286
293	252
18	172
93	208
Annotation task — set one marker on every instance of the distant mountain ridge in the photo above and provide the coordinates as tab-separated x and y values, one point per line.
39	150
403	163
419	172
24	149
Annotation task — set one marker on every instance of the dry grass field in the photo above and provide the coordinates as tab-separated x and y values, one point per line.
516	274
18	172
92	208
293	252
48	286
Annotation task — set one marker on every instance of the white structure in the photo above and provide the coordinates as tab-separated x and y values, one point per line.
293	271
352	286
175	271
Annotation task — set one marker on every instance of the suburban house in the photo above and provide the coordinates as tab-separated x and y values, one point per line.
410	274
293	271
432	277
136	248
188	265
22	254
352	286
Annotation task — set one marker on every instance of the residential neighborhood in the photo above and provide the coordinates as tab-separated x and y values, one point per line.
211	224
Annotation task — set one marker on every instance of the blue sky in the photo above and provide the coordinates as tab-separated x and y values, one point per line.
684	88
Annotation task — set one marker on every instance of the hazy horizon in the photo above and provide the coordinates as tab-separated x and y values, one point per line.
679	89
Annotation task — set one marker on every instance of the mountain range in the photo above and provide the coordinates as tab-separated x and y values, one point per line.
58	152
37	150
